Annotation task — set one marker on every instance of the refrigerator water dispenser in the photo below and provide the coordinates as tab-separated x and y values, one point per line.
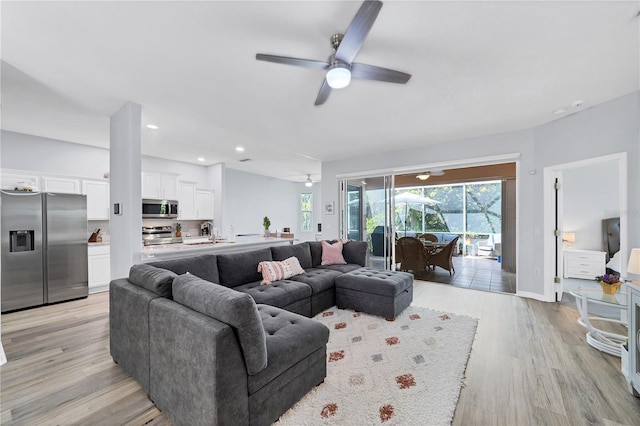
21	240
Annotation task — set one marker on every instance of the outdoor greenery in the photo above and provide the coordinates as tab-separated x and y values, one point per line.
306	203
478	205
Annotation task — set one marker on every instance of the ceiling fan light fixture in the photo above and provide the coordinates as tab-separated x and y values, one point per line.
338	76
424	176
308	183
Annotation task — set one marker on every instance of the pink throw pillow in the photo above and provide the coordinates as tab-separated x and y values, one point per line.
274	271
332	254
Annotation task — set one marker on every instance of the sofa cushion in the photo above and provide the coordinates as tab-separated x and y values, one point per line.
315	247
301	251
332	253
156	280
204	266
343	269
240	268
290	339
231	307
279	270
355	252
319	279
279	293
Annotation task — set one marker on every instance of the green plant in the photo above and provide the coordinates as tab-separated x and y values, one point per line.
266	222
178	226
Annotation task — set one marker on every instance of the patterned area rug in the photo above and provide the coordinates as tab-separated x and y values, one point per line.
403	372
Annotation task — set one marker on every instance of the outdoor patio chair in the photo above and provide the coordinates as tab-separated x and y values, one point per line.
443	257
413	255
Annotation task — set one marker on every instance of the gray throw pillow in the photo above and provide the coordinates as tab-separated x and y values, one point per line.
156	280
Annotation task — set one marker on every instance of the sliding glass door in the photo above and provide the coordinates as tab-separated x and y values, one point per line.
366	206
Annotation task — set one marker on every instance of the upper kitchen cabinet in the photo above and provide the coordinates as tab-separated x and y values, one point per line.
187	201
60	185
204	204
194	203
157	185
97	193
19	182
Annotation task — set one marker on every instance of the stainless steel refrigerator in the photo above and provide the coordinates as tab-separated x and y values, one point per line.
44	248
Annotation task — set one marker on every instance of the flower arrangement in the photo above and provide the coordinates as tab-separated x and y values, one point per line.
608	278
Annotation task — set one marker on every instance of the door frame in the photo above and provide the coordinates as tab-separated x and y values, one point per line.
550	173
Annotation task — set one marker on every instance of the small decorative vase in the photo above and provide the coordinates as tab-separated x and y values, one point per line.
267	233
178	233
610	288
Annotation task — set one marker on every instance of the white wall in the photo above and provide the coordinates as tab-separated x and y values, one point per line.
589	196
604	129
250	197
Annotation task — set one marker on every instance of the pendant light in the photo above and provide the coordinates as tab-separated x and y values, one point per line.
308	183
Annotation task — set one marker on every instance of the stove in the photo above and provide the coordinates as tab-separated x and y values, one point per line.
156	235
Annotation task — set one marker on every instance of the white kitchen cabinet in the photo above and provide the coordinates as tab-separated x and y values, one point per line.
97	193
187	201
61	185
585	264
12	181
99	267
157	185
204	204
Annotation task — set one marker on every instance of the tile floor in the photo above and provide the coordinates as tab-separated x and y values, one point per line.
476	272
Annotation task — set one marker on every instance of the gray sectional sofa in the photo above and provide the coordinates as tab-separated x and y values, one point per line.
210	345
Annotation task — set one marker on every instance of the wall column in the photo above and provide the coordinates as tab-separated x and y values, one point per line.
125	189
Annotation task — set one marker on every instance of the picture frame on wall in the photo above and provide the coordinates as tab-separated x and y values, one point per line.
328	208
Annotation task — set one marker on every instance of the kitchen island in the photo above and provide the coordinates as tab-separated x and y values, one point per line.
174	251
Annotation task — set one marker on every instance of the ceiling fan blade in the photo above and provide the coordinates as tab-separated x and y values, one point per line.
324	92
306	63
358	30
371	72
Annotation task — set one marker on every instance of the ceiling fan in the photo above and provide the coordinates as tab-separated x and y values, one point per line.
340	66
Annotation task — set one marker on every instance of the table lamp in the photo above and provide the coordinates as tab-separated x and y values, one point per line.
633	267
568	238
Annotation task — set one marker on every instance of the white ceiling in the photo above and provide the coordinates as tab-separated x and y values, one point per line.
477	68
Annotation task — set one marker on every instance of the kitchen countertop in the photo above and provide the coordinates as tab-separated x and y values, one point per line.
173	251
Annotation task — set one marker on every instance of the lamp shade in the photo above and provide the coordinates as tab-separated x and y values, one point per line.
569	237
634	262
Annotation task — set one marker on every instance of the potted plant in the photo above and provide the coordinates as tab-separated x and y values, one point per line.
266	223
609	283
178	229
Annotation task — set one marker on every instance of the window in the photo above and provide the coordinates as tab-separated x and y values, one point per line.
306	211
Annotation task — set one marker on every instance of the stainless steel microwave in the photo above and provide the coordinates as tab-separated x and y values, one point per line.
159	209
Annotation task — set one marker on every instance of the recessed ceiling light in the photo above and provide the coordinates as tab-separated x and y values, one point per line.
152	127
239	149
560	111
200	158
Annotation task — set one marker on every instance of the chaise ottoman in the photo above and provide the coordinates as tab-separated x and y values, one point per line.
375	292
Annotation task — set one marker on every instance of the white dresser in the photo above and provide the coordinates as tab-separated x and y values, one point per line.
585	264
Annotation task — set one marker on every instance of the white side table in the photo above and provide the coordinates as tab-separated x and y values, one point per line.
597	338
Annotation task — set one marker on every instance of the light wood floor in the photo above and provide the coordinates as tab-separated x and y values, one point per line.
529	365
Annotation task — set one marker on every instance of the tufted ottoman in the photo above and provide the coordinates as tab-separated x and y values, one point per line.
382	293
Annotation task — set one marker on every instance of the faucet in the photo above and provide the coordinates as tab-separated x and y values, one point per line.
208	225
